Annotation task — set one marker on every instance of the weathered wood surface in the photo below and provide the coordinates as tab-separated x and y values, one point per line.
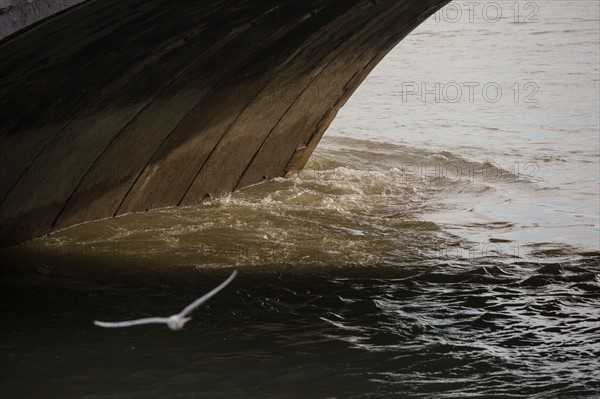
123	106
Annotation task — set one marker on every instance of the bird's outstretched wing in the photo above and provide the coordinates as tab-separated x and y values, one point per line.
189	308
118	324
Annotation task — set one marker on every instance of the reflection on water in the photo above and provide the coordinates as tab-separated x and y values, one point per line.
430	248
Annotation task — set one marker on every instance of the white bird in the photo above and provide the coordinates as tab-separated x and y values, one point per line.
174	322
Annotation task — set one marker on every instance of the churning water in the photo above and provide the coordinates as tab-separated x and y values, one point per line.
443	241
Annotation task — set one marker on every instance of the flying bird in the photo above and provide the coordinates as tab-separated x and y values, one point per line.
174	322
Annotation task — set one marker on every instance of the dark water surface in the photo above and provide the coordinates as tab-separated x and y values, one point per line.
520	330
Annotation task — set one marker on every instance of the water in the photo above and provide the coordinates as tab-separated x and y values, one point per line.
18	14
433	246
511	331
